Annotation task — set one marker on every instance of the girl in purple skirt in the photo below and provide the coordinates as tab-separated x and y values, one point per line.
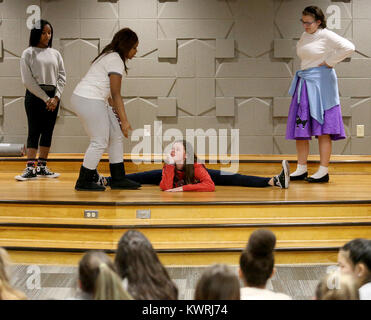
315	106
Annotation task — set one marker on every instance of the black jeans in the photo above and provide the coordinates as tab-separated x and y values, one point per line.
41	122
155	176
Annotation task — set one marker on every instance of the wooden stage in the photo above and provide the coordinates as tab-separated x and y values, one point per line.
42	221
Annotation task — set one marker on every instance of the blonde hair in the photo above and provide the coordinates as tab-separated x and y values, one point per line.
337	286
109	285
6	290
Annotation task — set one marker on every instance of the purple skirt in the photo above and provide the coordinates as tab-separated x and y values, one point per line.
301	126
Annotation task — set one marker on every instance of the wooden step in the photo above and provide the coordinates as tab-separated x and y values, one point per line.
315	256
125	214
171	238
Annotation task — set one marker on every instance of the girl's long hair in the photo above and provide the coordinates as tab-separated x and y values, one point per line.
137	262
36	31
191	159
123	41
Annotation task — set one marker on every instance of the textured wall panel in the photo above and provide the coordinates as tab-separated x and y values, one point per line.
356	68
12	87
253	68
284	48
205	94
15	121
186	62
150	68
78	55
361	145
361	30
9	67
167	48
99	28
281	106
166	107
199	29
224	107
186	95
138	9
195	9
94	9
146	87
224	48
355	87
254	87
361	114
205	62
254	117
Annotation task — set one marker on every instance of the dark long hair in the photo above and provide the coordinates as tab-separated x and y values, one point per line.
257	260
123	41
218	282
191	159
359	252
317	14
137	261
36	32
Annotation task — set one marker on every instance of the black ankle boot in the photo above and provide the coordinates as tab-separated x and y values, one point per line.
86	182
118	180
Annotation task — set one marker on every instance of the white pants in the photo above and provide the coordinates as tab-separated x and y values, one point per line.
103	129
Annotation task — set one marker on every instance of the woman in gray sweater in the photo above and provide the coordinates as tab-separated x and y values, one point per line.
44	77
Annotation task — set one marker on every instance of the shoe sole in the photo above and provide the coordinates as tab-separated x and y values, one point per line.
286	170
19	178
48	177
79	189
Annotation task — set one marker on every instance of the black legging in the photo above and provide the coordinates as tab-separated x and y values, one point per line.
40	121
220	179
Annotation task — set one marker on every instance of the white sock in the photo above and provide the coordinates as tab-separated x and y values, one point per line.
300	169
322	171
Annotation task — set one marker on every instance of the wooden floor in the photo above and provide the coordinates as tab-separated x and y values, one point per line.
340	188
41	221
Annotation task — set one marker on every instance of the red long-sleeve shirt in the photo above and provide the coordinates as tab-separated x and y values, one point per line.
202	178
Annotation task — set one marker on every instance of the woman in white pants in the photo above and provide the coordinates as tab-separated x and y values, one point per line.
105	125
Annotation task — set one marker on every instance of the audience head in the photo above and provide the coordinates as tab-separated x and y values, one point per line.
98	278
218	282
257	260
337	286
138	264
355	258
6	290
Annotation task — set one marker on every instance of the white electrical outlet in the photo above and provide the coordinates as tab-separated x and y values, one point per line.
360	130
91	214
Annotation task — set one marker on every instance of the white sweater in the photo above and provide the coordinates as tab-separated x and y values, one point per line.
42	66
322	46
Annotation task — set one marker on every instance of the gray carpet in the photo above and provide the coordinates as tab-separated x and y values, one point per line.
58	282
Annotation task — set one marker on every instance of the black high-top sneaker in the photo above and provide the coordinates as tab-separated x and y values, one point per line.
283	179
44	172
29	173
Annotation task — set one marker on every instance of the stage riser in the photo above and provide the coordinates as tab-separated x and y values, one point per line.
250	168
178	259
188	214
170	238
